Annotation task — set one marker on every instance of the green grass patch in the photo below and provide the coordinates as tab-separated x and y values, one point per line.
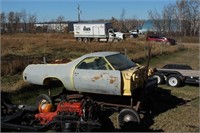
28	94
185	56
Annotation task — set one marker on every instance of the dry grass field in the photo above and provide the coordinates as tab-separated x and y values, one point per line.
178	107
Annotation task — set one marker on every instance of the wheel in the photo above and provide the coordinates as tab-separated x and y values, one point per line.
128	115
79	39
43	99
173	80
85	40
131	36
115	40
168	43
160	78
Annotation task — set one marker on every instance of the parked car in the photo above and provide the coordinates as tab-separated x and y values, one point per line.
176	75
101	72
138	31
133	35
161	38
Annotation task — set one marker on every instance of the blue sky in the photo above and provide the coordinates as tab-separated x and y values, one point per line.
46	10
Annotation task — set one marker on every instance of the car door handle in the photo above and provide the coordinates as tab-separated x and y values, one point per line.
75	74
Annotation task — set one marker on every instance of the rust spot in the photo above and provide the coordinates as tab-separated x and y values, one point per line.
112	79
96	78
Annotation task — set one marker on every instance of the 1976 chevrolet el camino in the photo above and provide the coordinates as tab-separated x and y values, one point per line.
109	73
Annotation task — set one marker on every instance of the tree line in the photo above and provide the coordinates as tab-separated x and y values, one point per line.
13	22
183	16
17	22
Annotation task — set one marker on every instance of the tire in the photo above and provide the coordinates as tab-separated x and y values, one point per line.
173	80
128	115
115	40
168	43
43	98
85	40
79	39
160	78
131	36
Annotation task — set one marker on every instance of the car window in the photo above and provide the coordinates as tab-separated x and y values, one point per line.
94	63
120	62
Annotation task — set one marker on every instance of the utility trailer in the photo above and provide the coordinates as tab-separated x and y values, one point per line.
176	75
86	32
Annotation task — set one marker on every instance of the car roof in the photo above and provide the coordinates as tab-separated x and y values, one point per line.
101	54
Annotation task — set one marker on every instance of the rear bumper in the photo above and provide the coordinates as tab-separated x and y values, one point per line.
192	80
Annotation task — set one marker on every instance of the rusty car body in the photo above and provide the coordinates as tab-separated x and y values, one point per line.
109	73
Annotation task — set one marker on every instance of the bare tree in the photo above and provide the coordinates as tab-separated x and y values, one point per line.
17	18
3	22
11	21
31	21
60	20
168	17
132	23
115	23
122	18
193	14
179	14
157	19
184	16
24	19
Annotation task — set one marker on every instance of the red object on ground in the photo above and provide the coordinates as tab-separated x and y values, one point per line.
67	107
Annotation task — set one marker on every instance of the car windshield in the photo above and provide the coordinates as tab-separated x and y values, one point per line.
120	62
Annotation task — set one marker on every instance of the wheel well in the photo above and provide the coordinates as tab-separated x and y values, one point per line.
52	82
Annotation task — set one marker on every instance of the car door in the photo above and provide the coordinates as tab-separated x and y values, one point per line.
91	78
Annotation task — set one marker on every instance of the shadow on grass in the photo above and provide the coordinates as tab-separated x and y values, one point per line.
158	102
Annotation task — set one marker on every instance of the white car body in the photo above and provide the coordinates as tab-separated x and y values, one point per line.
105	78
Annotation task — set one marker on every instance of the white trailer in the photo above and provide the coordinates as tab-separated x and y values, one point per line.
87	32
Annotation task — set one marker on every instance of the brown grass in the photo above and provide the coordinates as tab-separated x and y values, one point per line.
14	87
27	44
24	47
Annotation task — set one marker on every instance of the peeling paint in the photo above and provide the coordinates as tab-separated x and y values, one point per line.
113	79
97	78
